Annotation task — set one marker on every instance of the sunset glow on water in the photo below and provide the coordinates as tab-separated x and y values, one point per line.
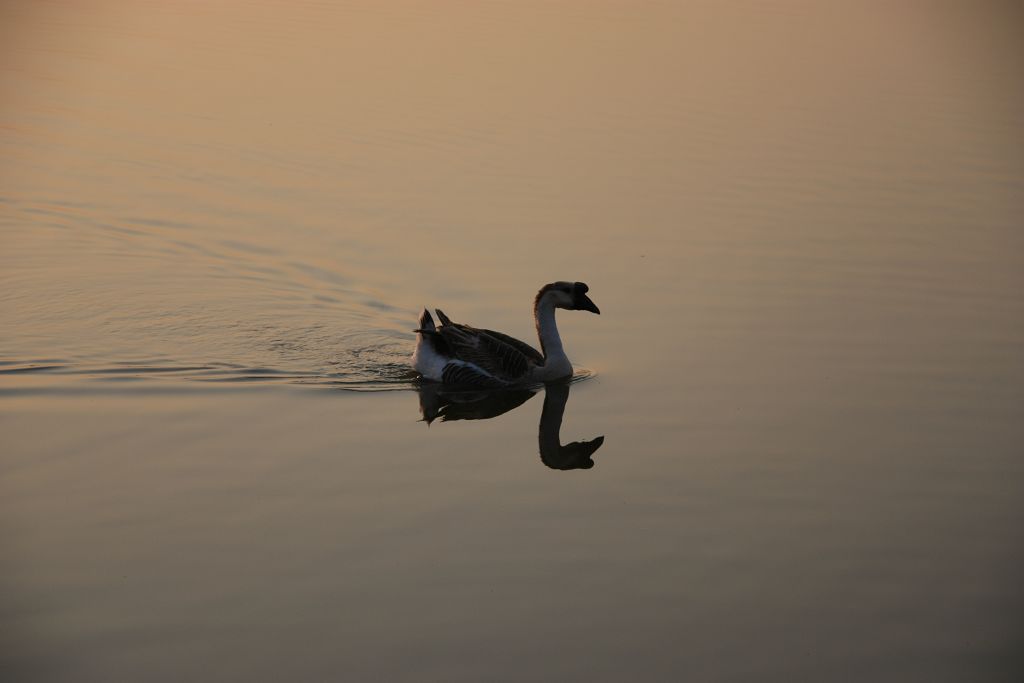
793	449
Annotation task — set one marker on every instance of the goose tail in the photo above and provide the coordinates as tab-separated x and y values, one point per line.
445	320
426	322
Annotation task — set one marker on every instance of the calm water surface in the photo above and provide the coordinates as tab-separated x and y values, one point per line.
796	451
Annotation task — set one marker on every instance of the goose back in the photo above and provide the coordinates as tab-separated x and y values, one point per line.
506	359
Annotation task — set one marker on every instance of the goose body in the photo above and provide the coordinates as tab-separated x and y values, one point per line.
461	355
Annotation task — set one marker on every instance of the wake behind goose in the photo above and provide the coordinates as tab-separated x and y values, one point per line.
458	354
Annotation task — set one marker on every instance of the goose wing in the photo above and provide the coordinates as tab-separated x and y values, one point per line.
463	374
497	354
520	346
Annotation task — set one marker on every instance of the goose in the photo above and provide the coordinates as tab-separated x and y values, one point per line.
461	355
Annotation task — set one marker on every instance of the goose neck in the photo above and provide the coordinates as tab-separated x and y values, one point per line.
547	329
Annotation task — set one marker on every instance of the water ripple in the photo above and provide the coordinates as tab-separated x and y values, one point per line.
371	367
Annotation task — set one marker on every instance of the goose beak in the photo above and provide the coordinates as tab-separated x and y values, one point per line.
585	304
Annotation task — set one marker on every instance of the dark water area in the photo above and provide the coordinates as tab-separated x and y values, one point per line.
793	448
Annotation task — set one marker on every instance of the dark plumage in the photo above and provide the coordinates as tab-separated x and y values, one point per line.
503	359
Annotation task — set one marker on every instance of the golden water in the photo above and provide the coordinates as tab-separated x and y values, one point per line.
802	223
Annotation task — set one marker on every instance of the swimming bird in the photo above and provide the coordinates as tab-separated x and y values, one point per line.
462	355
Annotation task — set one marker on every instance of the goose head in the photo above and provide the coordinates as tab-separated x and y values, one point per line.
568	295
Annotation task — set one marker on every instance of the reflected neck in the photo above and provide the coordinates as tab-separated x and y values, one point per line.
555	397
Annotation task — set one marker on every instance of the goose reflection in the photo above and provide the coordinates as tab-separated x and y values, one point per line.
439	402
